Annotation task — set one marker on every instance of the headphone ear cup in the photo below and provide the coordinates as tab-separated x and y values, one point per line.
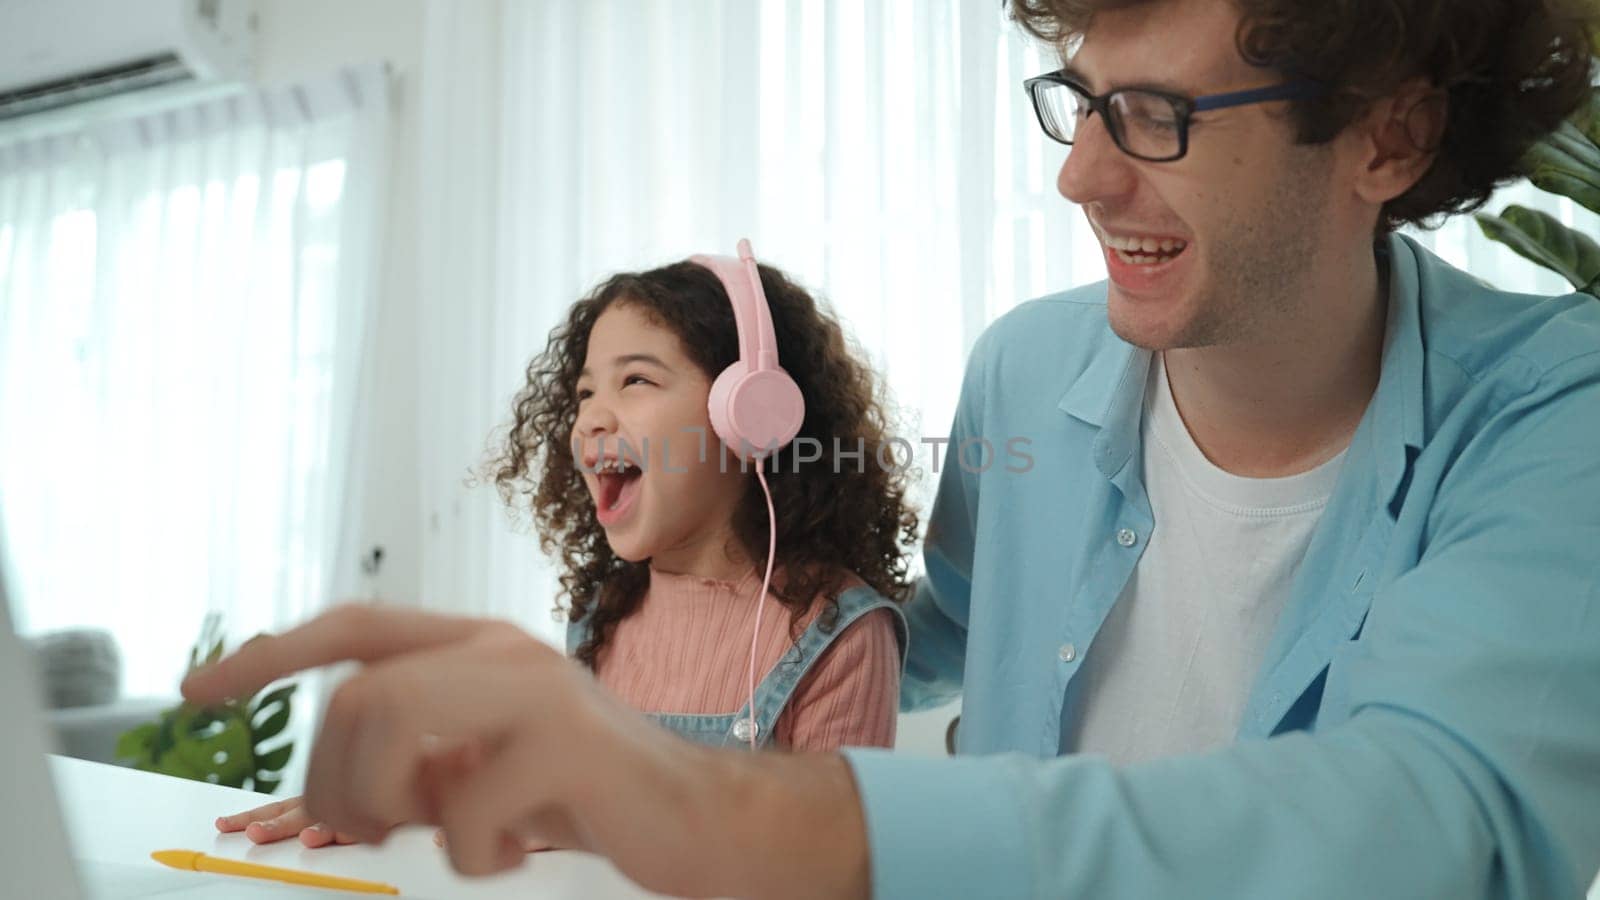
755	413
717	404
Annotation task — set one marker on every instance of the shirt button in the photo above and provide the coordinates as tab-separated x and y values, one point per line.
1068	653
1126	537
745	730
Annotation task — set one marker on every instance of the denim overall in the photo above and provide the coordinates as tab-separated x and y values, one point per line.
775	689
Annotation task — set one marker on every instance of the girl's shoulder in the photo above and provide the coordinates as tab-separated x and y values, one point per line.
848	692
845	590
854	601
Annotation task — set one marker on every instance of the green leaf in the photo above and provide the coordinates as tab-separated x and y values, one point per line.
208	646
274	723
1585	189
134	744
270	713
274	760
1544	240
1571	140
1566	162
1587	118
165	737
266	700
177	767
216	744
228	754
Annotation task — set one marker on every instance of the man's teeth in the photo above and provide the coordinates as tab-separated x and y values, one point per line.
1143	250
1143	245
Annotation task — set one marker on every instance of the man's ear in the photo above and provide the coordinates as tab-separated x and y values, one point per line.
1400	137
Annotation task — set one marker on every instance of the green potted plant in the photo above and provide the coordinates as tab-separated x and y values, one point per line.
225	745
1567	163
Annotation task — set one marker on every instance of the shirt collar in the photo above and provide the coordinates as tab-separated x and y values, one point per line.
1110	393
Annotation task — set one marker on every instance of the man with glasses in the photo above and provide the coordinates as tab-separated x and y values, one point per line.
1301	600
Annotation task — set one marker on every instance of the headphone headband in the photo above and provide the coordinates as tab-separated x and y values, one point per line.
741	278
755	407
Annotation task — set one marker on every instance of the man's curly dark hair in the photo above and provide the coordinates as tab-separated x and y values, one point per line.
833	519
1511	70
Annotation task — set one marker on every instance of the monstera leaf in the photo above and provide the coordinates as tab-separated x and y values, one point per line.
1541	238
225	745
1587	118
1566	162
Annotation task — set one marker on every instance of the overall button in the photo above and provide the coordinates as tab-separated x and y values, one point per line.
1126	537
745	730
1068	653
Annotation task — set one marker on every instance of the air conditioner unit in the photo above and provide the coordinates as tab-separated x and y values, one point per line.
55	53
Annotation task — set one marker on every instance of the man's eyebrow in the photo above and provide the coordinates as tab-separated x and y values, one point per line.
1068	71
1165	87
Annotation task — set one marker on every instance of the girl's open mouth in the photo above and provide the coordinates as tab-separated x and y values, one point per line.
619	487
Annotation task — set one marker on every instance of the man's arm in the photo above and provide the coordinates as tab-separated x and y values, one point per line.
937	613
491	734
1464	764
1457	752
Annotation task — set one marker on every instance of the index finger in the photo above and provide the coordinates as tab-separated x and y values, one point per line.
353	632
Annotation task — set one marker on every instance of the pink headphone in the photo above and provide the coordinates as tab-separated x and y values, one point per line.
756	408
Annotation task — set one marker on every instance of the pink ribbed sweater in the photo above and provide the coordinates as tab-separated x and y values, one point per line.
687	650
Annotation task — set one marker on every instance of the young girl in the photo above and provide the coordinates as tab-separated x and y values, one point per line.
663	535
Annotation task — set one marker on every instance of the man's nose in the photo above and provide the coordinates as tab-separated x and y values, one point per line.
1095	169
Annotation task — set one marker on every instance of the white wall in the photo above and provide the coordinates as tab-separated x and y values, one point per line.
298	39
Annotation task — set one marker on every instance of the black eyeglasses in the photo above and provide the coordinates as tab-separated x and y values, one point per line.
1146	124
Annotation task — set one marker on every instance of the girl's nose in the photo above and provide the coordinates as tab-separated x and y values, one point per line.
595	419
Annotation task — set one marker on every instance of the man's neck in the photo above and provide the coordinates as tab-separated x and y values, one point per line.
1288	402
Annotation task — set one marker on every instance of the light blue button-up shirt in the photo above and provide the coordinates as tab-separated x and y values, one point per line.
1427	721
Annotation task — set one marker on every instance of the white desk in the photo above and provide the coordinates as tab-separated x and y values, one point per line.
116	815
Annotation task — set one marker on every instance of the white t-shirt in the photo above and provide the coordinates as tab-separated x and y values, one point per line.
1172	666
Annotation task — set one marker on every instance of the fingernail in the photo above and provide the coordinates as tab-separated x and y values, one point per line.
320	828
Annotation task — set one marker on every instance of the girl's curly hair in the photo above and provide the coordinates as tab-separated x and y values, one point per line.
831	520
1511	70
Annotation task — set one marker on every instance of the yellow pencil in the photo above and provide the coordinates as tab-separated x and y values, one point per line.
199	862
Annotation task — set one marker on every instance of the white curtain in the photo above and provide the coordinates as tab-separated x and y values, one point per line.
883	152
184	299
853	144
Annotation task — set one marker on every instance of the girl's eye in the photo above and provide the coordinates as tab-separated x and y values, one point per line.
635	379
584	394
